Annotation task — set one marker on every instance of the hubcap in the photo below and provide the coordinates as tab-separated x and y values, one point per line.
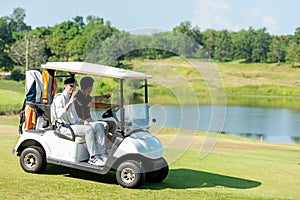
30	160
127	175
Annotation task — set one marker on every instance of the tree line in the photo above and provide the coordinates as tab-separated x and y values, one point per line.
93	39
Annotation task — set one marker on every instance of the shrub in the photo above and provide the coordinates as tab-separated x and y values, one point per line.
17	75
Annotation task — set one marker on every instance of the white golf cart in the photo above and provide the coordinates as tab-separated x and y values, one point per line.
135	154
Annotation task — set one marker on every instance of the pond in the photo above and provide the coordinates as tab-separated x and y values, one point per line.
278	125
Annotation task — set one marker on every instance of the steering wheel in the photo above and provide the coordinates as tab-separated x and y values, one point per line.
111	112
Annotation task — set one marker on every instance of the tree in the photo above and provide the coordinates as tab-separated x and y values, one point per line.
293	53
5	31
209	38
115	48
293	49
260	45
243	44
29	51
223	48
6	39
187	29
76	48
95	33
61	35
189	44
79	22
277	49
297	36
17	23
94	20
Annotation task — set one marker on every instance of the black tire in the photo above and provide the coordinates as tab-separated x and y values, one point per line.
158	176
33	160
130	174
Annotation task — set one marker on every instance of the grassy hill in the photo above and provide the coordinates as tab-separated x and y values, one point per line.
253	84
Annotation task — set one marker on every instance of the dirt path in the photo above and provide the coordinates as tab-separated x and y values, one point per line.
8	129
228	145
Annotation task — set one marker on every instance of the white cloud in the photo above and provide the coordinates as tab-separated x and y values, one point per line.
212	14
223	14
271	24
257	18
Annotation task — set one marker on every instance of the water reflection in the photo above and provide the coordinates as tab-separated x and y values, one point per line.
277	125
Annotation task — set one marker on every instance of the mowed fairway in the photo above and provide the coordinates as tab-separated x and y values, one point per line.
12	96
235	169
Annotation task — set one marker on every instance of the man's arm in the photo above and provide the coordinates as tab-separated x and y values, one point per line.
98	98
102	105
61	107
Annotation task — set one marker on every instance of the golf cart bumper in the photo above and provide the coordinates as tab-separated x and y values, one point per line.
153	165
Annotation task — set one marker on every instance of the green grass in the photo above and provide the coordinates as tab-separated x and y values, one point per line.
235	169
12	96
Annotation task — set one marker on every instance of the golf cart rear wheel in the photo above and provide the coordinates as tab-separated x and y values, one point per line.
130	174
33	160
158	176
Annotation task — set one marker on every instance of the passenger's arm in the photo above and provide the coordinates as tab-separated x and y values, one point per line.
98	98
102	105
59	107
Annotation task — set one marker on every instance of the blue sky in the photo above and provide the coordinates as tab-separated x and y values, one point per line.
278	16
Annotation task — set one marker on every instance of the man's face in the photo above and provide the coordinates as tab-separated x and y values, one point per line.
70	88
89	89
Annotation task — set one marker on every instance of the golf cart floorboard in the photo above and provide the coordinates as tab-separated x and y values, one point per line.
84	165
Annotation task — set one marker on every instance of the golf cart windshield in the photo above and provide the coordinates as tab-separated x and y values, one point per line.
136	116
135	105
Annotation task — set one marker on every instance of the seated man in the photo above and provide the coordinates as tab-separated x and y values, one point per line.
63	108
84	101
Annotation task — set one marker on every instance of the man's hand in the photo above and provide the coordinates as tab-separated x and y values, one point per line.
71	101
73	98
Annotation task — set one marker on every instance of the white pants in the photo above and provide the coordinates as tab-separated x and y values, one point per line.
99	137
94	136
109	130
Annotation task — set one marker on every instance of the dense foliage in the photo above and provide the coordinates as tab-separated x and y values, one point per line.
95	40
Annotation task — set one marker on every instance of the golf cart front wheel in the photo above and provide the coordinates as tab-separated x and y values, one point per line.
33	160
130	174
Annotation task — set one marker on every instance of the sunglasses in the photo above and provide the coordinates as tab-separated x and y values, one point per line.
71	85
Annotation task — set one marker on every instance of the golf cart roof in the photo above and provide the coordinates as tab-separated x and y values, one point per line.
95	69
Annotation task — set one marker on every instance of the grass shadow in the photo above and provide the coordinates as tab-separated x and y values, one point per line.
79	174
177	179
188	178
